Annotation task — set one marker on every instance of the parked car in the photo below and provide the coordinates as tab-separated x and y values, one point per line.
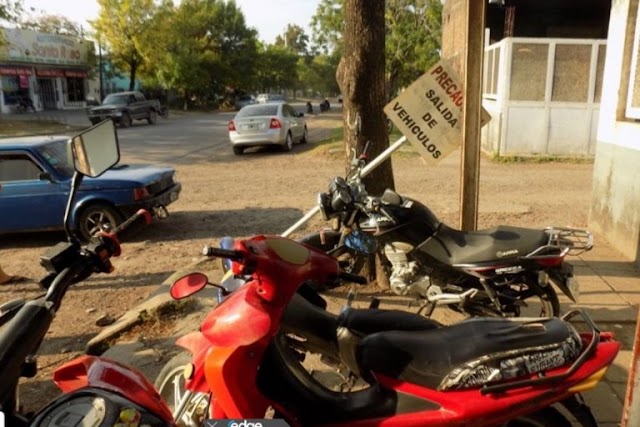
267	124
244	100
125	107
35	178
263	98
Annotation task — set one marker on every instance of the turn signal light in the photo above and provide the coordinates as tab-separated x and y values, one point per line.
231	126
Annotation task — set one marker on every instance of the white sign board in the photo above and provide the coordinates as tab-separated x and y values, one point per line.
429	112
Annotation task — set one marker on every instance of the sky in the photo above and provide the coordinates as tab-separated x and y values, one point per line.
269	17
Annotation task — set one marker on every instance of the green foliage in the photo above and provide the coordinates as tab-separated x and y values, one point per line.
328	26
52	24
294	39
206	48
126	27
412	39
318	73
277	69
413	36
10	10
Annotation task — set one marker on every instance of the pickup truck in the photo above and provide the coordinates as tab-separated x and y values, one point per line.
36	175
124	108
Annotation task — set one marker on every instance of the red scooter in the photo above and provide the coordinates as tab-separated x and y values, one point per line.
480	372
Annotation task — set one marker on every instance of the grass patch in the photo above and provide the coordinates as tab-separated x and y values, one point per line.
333	145
35	127
540	159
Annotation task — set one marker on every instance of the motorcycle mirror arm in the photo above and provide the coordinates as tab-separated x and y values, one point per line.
75	183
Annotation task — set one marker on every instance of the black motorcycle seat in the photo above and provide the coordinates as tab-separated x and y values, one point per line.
502	243
369	321
426	357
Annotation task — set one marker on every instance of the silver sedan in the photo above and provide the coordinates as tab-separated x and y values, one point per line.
267	124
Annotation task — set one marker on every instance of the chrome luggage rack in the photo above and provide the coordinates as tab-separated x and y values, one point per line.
576	240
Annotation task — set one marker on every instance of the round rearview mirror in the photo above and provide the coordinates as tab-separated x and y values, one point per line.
188	285
96	149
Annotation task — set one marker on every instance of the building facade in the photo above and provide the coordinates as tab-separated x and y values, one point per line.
44	71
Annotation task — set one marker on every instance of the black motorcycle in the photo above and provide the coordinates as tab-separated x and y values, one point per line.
502	271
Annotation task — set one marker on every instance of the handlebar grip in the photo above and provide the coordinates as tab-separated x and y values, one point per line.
142	217
222	253
353	278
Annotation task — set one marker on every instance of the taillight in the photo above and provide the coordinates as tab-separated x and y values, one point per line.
275	124
140	193
231	126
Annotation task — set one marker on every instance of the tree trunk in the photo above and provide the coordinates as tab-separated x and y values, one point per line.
361	77
132	75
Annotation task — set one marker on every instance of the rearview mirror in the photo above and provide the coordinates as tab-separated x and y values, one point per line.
188	285
96	149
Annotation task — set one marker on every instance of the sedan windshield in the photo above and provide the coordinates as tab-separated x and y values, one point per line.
58	155
116	99
258	110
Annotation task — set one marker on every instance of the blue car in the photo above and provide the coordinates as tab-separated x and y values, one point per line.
35	178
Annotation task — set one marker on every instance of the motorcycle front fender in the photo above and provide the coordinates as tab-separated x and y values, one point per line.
199	346
106	374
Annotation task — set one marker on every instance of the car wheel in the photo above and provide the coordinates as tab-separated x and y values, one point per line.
125	120
238	151
288	143
153	117
97	217
304	138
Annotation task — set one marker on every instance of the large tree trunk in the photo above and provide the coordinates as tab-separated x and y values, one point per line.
132	75
361	79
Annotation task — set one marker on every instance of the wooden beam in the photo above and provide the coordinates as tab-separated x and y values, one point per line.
470	166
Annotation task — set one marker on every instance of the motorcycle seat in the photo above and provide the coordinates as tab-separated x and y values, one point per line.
369	321
502	243
429	358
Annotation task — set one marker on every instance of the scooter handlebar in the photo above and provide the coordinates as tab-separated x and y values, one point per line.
142	217
222	253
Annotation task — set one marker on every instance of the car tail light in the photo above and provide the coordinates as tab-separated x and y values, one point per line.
232	126
140	193
275	124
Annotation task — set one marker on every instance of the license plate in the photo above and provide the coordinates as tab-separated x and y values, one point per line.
173	196
574	287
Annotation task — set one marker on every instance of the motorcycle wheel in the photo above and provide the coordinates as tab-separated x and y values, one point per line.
547	417
171	386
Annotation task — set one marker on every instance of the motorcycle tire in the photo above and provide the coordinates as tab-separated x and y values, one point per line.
170	385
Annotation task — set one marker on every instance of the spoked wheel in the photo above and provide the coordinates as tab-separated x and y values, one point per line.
171	386
521	300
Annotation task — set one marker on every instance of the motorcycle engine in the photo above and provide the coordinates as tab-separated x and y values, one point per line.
405	278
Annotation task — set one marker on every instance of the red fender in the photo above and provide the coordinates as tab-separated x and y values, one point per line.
106	374
199	346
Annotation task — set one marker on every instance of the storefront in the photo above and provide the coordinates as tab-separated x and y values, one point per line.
43	71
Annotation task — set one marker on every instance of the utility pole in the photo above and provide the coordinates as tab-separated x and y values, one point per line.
470	165
100	66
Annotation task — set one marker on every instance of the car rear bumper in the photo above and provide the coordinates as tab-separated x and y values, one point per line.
275	137
163	199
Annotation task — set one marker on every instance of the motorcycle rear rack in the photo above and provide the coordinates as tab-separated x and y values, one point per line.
577	240
546	380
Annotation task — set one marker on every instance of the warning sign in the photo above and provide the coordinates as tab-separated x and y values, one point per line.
429	112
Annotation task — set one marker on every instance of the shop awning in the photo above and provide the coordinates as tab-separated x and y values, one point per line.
15	71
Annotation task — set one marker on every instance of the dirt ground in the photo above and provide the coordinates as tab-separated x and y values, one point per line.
264	193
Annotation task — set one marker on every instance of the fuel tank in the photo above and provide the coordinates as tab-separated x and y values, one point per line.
408	221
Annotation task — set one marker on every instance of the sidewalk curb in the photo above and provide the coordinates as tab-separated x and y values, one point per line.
157	299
